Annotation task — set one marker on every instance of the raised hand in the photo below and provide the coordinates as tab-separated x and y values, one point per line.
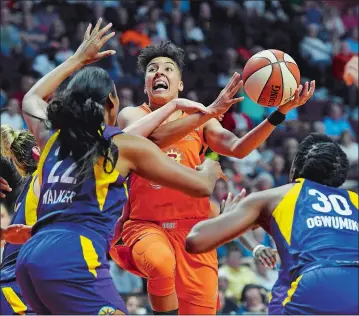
230	203
89	50
301	96
227	96
4	186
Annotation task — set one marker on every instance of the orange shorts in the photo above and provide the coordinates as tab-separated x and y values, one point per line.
158	254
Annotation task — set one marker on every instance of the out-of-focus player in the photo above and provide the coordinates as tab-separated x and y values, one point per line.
62	268
351	72
314	224
153	238
19	147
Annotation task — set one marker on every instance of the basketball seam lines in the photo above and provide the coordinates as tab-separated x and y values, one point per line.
274	55
277	62
265	84
295	79
281	77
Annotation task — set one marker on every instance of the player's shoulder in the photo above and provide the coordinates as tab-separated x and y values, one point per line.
129	115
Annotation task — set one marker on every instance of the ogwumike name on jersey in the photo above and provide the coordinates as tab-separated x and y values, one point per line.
58	196
336	222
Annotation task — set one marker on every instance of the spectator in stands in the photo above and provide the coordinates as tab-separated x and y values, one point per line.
9	35
45	62
290	148
332	21
238	275
265	277
278	172
126	97
315	50
157	26
313	13
11	116
137	35
264	181
125	282
64	51
336	123
253	300
340	60
32	36
227	306
349	146
220	192
27	81
352	41
350	19
174	28
133	305
192	32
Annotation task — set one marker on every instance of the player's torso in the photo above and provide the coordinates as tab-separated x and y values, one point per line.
25	212
152	202
316	225
95	203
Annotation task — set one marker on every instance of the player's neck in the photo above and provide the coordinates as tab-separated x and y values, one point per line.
174	116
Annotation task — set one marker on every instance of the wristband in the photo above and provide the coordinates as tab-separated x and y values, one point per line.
276	118
256	248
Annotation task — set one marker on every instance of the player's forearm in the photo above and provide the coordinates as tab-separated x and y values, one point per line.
174	131
48	84
210	234
242	147
146	125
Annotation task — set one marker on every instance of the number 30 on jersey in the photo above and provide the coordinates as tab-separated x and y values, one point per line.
331	202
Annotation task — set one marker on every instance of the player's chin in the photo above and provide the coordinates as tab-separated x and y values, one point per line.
161	97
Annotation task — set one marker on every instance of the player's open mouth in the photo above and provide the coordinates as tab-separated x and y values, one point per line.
160	85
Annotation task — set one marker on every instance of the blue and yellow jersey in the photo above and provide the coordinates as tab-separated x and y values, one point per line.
315	226
95	204
24	213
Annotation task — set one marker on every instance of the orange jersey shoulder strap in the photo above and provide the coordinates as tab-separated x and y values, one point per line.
145	107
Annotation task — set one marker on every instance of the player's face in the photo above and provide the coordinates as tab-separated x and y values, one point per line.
162	80
112	111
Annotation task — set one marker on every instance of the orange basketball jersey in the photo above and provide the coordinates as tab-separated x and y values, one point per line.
152	202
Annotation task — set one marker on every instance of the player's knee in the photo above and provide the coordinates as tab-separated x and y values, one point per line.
154	257
160	261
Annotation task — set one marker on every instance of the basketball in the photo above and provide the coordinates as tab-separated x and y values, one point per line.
270	77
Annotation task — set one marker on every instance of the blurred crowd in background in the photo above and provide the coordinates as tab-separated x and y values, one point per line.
219	36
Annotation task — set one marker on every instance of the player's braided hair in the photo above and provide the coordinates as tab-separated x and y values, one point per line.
164	49
320	159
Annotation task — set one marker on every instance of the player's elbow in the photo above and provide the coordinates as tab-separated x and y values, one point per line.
193	244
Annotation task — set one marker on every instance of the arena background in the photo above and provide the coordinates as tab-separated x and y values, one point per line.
219	37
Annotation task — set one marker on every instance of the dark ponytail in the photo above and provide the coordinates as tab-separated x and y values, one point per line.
79	114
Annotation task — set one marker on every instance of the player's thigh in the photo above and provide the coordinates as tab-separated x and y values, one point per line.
97	297
12	301
332	290
196	274
73	276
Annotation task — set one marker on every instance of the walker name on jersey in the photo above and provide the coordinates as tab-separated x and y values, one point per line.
336	222
58	196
